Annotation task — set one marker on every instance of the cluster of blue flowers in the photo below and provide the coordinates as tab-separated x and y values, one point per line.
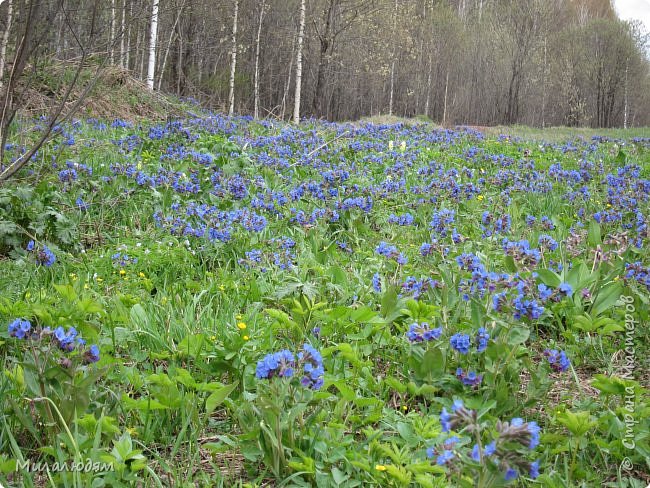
501	451
558	360
414	287
67	341
391	252
469	378
283	364
122	260
441	222
42	255
420	332
636	271
404	220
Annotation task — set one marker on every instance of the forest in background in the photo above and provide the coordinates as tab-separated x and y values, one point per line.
477	62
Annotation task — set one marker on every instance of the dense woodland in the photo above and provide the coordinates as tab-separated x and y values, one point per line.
477	62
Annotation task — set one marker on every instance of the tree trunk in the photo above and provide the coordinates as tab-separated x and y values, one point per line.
152	44
287	84
393	54
128	39
256	82
233	61
111	41
444	109
325	43
301	34
5	41
426	104
122	36
169	44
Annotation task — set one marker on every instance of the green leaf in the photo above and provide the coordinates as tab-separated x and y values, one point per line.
518	335
433	363
606	298
593	236
549	278
219	396
578	423
66	291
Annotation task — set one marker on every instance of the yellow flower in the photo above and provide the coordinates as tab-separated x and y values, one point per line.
616	278
241	325
609	205
73	276
480	198
86	286
405	408
164	300
99	280
380	467
213	338
245	337
28	295
238	317
122	272
141	274
222	288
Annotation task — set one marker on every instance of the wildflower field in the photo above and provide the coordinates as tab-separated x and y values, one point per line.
226	302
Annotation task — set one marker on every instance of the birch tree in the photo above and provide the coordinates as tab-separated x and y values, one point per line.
5	40
301	35
152	44
233	61
256	82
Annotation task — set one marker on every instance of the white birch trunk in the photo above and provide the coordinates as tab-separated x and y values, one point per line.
112	39
5	40
301	35
122	36
128	39
233	62
152	44
256	83
392	64
625	108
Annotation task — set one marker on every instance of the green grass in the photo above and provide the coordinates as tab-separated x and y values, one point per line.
187	310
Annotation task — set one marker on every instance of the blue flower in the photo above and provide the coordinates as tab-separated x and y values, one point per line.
312	368
444	457
476	453
566	289
470	378
445	420
92	354
490	449
511	474
376	282
557	359
460	342
482	338
278	363
534	469
19	328
81	205
45	257
65	340
419	332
